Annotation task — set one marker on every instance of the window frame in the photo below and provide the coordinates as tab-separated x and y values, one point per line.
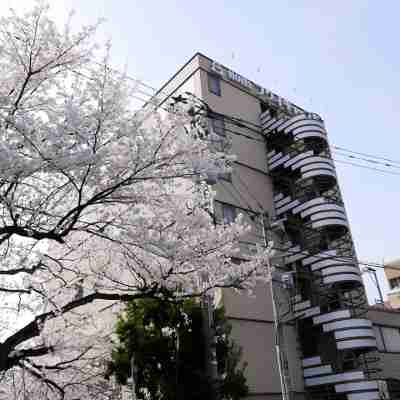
216	91
394	283
218	130
228	217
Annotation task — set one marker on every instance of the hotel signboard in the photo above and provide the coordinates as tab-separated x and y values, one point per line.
264	94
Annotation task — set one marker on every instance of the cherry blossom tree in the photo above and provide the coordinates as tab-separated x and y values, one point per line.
100	203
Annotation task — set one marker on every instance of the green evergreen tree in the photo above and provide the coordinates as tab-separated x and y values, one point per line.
167	343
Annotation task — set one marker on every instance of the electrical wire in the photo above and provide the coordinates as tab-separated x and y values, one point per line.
366	167
365	154
255	128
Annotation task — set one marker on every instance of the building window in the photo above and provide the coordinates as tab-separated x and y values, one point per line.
218	126
228	213
394	283
214	84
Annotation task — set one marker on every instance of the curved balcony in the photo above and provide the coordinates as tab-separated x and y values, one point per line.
309	164
300	126
353	384
349	333
321	212
332	268
304	309
314	217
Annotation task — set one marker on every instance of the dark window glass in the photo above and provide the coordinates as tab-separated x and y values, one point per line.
228	213
214	84
218	126
394	283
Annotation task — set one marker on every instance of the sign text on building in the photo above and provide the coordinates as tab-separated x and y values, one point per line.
264	94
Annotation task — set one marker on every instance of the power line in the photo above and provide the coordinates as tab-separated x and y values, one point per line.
371	161
365	154
366	167
256	128
342	259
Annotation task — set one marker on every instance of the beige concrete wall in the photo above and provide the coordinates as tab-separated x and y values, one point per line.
262	372
251	189
392	269
394	299
186	75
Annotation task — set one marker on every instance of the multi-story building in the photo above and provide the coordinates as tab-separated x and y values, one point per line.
392	272
310	336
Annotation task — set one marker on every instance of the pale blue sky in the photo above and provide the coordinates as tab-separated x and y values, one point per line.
338	58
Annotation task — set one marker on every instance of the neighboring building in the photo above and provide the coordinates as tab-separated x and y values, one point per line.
284	183
386	324
392	272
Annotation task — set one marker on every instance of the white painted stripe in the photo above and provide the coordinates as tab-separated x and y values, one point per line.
277	124
346	376
356	344
328	164
341	278
292	121
317	257
364	396
323	369
279	162
310	312
279	196
282	202
354	333
330	263
266	117
309	128
340	269
296	257
308	122
328	214
297	298
322	207
351	387
288	207
310	134
311	361
317	173
299	157
271	153
349	323
317	165
302	305
341	314
326	222
275	157
310	203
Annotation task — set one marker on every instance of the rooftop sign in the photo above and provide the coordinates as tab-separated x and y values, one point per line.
264	94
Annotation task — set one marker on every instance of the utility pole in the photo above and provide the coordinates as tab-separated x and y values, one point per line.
209	340
133	373
285	392
378	286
